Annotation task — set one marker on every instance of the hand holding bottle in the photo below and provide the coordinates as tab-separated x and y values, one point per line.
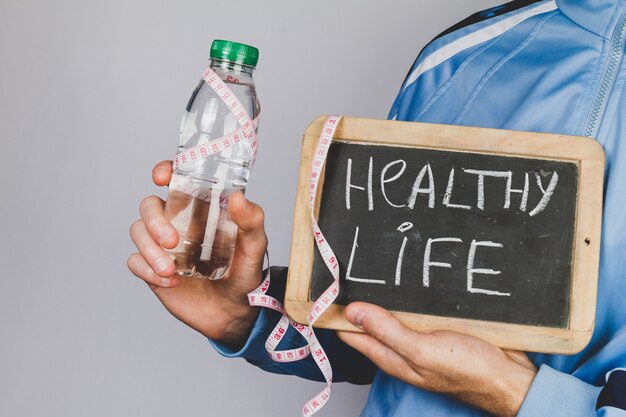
217	309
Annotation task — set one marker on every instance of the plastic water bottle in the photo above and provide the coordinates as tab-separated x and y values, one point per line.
207	233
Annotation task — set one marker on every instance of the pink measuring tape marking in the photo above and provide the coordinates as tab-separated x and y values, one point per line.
259	296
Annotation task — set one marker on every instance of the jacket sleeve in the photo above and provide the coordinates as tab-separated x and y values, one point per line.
553	390
347	364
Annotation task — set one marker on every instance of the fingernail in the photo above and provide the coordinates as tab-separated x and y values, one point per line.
356	316
166	282
165	234
162	264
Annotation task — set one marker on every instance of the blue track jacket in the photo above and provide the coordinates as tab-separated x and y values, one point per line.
542	66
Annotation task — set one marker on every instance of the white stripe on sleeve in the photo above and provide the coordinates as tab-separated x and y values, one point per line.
475	38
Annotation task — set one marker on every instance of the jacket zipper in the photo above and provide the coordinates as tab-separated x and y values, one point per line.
608	79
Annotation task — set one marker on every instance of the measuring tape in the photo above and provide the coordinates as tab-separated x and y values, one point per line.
330	294
259	297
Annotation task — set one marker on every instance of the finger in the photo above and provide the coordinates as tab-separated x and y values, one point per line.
140	268
162	173
385	328
152	252
162	231
385	358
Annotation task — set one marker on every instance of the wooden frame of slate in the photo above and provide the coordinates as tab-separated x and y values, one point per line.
531	321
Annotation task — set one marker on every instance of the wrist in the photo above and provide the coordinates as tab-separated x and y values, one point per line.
500	393
236	316
513	389
237	329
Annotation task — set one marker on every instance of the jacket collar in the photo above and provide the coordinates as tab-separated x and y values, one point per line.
598	16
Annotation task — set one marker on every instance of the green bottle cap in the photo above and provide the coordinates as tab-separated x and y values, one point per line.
235	52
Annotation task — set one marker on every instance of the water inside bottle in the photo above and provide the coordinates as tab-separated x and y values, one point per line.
192	255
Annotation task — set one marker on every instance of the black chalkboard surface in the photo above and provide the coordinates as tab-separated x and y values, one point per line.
527	250
489	232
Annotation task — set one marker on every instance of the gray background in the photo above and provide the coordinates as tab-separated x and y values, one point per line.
91	94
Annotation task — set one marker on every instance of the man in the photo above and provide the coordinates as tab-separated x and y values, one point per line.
544	66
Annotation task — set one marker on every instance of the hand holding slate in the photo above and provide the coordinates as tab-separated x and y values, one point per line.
217	309
465	367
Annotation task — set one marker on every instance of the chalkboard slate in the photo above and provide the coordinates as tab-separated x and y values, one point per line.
488	232
535	259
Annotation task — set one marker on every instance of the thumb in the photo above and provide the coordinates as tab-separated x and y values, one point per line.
251	243
162	173
248	216
383	326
